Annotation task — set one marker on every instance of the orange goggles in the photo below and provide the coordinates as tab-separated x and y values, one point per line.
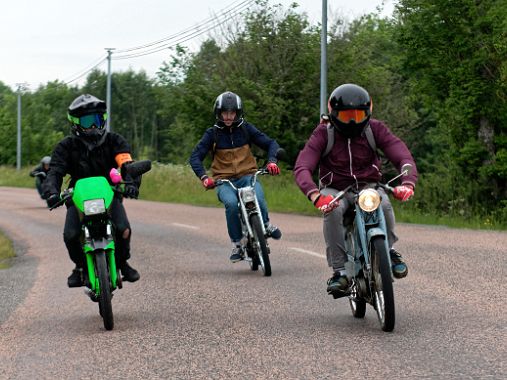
346	116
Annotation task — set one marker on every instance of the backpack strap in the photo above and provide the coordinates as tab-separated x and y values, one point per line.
215	138
330	139
371	139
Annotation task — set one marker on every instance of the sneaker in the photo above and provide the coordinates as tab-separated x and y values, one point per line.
129	273
337	283
273	231
236	255
75	280
399	267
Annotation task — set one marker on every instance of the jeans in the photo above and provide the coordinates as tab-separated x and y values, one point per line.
229	197
72	234
334	231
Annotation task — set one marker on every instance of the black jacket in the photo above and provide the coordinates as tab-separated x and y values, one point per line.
71	156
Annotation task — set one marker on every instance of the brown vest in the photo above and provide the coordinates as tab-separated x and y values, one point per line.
233	163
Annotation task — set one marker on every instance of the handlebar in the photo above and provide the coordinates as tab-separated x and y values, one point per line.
64	196
67	194
404	171
262	171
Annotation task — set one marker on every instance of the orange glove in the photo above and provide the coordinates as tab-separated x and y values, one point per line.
403	193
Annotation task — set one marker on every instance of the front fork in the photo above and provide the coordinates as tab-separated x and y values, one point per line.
246	212
366	227
93	247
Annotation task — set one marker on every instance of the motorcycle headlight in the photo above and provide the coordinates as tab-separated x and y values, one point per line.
247	194
369	200
94	207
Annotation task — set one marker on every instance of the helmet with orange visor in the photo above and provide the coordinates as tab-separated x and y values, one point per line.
350	109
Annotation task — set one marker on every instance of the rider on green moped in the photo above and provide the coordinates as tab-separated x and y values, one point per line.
91	151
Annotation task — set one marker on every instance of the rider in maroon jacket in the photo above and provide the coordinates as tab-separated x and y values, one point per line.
351	160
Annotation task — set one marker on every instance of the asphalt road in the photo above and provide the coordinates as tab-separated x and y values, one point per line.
193	315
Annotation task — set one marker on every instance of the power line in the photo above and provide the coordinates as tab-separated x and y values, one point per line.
85	71
201	24
188	36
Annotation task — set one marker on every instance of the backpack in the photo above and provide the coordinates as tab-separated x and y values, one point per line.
330	140
388	169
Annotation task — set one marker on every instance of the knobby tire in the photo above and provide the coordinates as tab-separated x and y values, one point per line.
105	307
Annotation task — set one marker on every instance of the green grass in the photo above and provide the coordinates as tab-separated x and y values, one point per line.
6	251
11	177
178	184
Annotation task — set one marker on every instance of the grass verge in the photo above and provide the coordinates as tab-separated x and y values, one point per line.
178	184
6	250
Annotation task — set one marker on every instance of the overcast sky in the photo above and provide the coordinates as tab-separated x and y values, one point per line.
45	40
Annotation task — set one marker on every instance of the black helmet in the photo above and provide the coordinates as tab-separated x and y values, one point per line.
88	116
350	109
228	101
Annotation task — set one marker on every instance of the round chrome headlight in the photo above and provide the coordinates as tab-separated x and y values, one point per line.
369	200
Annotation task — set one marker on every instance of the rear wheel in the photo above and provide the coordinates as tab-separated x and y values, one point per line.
383	296
105	307
259	244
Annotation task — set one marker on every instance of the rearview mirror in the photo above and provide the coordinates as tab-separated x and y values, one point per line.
406	169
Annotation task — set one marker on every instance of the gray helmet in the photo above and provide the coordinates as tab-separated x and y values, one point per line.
88	116
228	101
45	160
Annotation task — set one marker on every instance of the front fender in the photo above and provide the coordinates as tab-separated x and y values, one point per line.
376	231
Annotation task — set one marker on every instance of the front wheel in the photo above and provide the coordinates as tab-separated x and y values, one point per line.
382	284
105	307
357	304
259	244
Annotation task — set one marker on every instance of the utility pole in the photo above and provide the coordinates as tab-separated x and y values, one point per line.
108	89
21	87
323	60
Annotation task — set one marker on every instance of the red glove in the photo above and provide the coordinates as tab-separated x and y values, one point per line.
403	193
322	203
273	168
208	183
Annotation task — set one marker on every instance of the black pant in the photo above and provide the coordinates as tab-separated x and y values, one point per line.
72	234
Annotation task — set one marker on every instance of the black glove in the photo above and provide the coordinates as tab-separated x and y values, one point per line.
52	200
41	174
131	191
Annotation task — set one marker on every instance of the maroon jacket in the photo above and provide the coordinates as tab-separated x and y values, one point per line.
350	160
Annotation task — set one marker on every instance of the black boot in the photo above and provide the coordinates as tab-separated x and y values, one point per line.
75	280
129	273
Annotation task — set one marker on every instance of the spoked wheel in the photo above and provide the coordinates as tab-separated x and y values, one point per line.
357	304
382	290
259	245
105	307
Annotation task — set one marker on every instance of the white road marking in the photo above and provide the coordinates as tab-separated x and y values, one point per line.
311	253
185	226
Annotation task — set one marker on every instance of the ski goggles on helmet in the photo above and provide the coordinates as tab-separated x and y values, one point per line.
96	120
345	116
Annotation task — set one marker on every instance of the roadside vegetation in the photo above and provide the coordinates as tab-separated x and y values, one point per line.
436	70
6	251
178	184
